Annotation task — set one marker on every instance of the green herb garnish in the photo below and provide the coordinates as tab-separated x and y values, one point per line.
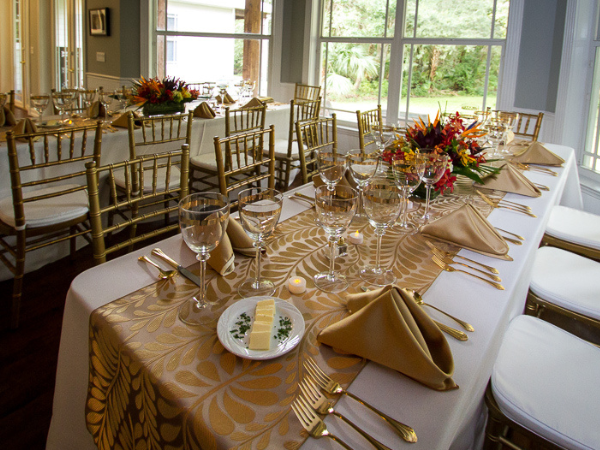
285	327
242	325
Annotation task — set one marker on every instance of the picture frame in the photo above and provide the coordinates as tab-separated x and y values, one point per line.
99	22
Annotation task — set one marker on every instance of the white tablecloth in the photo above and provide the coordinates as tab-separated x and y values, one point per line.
442	420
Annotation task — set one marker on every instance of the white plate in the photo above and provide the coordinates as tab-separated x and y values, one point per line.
248	305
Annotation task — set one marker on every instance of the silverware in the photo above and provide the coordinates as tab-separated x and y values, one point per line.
312	423
512	241
493	205
448	268
518	205
306	198
449	260
319	403
182	270
462	323
512	234
432	246
456	334
541	187
535	168
332	387
164	274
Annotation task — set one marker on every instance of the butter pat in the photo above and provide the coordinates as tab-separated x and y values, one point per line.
260	340
260	335
261	326
265	303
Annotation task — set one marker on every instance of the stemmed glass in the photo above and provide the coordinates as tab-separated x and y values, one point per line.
88	96
383	202
335	210
40	103
62	101
104	99
362	167
203	219
408	170
495	130
259	210
383	136
434	167
331	166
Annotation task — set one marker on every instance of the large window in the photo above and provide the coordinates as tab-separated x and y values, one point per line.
411	56
211	40
591	153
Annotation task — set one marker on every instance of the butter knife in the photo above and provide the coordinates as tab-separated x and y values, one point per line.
182	270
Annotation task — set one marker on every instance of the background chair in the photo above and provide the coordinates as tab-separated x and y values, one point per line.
138	172
528	126
306	92
313	136
286	150
367	120
573	230
11	101
48	205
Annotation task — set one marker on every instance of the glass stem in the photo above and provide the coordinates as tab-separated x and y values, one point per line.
256	284
427	195
200	298
380	232
405	212
333	246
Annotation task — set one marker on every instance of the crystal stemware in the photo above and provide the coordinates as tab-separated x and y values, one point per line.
203	219
62	101
331	166
88	95
408	170
434	167
383	203
40	103
335	210
362	166
104	99
259	210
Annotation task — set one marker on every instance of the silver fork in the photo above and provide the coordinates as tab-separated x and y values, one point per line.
319	403
332	387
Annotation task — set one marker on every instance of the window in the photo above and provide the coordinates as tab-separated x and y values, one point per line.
591	153
219	41
410	56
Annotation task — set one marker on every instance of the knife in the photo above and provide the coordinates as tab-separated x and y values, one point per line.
182	270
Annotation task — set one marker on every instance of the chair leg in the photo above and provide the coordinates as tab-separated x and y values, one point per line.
73	242
18	280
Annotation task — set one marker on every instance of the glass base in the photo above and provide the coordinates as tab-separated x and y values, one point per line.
377	276
194	314
251	289
406	228
334	282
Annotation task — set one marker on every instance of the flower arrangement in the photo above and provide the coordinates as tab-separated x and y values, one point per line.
166	95
466	156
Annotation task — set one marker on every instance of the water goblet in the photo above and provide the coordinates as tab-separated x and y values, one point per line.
331	166
408	170
362	166
88	95
203	219
104	99
62	101
40	103
259	210
495	129
335	210
434	167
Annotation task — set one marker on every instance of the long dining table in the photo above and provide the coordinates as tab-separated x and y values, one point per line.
442	420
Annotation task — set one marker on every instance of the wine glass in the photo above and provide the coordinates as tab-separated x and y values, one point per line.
62	101
259	210
203	219
362	166
408	170
335	210
508	120
88	95
40	103
383	203
495	129
331	166
434	167
104	99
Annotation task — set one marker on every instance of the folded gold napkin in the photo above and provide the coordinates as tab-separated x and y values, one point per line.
346	181
510	180
267	99
25	126
204	111
387	326
227	99
536	153
222	258
96	110
252	103
510	136
467	228
7	118
123	121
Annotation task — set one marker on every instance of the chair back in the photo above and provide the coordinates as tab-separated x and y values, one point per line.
245	120
11	101
314	135
141	204
159	134
306	92
244	160
528	126
367	120
301	111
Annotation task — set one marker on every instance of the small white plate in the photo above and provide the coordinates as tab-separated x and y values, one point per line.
248	305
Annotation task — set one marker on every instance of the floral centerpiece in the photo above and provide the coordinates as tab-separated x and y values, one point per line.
466	156
165	96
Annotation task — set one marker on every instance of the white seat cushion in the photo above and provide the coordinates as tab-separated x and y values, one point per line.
49	211
567	280
574	225
281	148
148	174
546	380
209	161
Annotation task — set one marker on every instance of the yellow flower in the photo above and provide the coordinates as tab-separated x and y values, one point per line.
177	96
186	93
465	157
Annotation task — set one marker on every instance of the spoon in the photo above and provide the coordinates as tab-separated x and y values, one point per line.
164	274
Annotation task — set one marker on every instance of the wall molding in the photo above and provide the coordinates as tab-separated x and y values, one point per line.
108	82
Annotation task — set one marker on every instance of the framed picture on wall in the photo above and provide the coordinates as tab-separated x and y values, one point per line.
99	22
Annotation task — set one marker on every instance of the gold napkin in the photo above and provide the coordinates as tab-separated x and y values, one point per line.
204	111
7	118
222	258
510	180
123	121
510	136
227	99
536	153
266	99
252	103
467	228
387	326
346	181
25	126
96	110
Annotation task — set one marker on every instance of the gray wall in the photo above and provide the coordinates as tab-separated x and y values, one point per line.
292	54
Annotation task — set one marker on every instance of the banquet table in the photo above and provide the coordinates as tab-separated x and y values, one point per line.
442	420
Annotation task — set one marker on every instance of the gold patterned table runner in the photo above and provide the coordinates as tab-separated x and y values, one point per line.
156	383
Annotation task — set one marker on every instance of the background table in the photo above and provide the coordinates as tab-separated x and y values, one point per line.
442	420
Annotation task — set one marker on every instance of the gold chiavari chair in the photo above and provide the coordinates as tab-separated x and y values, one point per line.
244	160
142	171
367	120
314	135
573	230
306	92
528	126
48	205
286	150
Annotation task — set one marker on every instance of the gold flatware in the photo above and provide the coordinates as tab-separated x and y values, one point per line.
535	168
493	205
305	197
332	387
541	187
319	403
456	334
432	246
518	205
512	234
467	326
312	423
163	274
448	268
512	241
449	260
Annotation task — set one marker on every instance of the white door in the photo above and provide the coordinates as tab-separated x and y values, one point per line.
20	54
68	43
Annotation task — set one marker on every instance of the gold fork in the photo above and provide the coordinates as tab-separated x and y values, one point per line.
448	268
312	423
449	260
319	403
332	387
535	168
493	205
490	268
